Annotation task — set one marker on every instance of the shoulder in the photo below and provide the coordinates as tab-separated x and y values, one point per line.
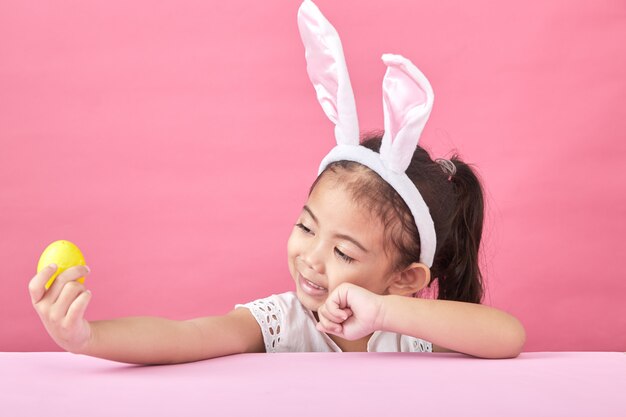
286	325
275	305
276	315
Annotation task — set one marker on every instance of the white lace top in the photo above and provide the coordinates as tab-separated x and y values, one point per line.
288	326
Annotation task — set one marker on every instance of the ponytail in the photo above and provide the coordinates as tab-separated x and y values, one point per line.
459	275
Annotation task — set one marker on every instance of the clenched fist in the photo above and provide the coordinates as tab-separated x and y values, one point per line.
351	312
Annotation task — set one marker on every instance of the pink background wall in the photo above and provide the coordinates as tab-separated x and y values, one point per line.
174	142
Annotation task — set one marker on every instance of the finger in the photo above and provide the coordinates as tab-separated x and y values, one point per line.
37	285
70	274
327	324
323	313
336	329
77	309
332	311
59	309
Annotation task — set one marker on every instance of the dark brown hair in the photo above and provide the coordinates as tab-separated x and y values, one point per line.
456	205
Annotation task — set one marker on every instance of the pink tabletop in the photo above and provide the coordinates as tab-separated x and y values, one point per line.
317	384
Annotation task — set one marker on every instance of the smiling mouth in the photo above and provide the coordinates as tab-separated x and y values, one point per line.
314	285
311	287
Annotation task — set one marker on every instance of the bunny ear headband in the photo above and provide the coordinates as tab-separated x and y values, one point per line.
407	102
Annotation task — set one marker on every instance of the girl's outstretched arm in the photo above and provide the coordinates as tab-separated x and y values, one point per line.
352	312
138	340
156	340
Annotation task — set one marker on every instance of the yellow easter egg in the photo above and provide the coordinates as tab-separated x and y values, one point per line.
65	255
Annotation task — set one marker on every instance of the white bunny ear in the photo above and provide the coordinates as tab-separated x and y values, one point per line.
407	102
327	70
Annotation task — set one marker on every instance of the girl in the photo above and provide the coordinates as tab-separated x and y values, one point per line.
382	222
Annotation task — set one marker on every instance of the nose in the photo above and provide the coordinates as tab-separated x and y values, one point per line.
313	255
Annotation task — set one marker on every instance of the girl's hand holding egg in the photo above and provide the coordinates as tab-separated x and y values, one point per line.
59	296
65	255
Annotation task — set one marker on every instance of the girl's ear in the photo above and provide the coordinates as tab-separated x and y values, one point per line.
409	281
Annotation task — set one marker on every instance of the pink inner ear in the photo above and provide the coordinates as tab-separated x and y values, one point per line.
321	62
401	93
322	70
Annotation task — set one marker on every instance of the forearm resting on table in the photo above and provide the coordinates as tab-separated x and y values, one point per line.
148	341
469	328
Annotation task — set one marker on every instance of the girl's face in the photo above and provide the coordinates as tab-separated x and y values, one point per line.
336	241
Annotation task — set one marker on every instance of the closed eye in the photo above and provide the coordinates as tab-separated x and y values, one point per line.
343	256
303	227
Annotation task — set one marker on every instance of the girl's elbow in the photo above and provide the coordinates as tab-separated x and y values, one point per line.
511	343
517	340
522	339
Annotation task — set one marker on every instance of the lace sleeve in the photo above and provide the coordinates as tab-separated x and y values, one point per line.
270	317
419	345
